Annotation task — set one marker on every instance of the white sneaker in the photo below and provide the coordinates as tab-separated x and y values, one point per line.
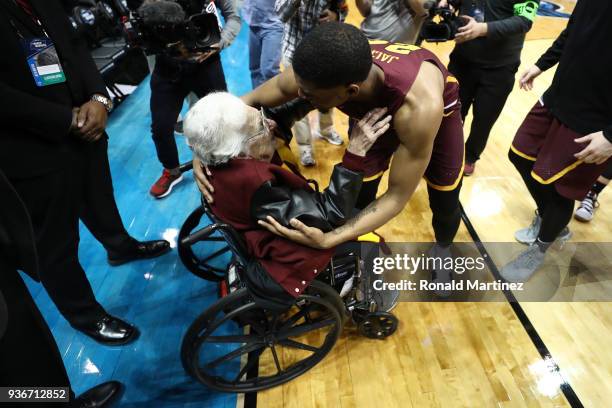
330	136
524	266
587	208
306	157
529	235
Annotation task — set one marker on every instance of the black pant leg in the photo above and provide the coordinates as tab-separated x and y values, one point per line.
53	203
167	97
209	77
608	172
446	213
28	353
490	96
367	194
99	210
539	192
468	77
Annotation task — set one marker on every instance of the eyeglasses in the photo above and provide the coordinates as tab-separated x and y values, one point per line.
264	124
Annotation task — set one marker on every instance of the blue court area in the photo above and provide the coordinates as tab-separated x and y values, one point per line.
159	296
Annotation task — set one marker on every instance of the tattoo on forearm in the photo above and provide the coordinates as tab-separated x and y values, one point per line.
371	208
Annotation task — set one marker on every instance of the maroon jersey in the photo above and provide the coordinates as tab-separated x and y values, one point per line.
401	64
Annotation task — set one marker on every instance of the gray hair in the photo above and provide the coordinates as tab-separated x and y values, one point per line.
214	127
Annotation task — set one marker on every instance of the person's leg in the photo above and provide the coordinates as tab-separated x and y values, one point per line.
556	217
303	137
99	210
28	353
489	99
367	194
326	127
446	214
270	52
468	78
208	78
590	203
537	191
166	102
52	202
255	54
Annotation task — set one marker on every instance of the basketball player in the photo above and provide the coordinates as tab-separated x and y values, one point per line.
334	66
565	142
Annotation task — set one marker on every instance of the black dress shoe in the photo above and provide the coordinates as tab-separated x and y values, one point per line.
110	330
103	395
140	250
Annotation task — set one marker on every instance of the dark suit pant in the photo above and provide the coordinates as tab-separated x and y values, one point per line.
28	352
52	200
98	209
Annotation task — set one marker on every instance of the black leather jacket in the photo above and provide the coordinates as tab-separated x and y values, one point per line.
324	210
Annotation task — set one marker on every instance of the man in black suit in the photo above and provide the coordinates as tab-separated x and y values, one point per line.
28	353
53	149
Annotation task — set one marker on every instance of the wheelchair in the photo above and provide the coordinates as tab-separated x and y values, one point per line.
239	345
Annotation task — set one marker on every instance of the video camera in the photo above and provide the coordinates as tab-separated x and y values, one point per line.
161	26
445	26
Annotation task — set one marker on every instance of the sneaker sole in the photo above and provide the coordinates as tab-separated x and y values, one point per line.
582	219
320	136
174	183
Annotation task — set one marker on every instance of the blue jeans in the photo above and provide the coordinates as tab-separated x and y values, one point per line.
264	53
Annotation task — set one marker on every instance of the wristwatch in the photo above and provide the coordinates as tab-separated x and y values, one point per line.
108	104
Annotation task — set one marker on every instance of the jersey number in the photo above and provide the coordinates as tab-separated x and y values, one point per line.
397	48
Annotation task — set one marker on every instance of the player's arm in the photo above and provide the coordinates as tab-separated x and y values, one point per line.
416	123
276	91
364	7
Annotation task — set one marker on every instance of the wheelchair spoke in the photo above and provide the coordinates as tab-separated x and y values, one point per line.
304	328
251	361
276	362
233	354
225	318
293	319
298	345
232	339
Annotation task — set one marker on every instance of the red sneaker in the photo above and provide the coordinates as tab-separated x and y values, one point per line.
468	169
163	186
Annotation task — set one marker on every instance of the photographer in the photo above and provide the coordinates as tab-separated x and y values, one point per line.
392	20
485	59
177	74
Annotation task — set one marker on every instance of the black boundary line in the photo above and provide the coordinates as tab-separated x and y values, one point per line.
250	398
537	341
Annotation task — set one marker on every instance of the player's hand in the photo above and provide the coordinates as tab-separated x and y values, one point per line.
471	30
302	234
598	150
327	15
527	77
202	173
368	130
91	121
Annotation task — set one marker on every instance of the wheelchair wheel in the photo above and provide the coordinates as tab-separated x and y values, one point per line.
201	267
378	325
224	344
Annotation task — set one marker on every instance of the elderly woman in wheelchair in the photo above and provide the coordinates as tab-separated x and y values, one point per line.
281	302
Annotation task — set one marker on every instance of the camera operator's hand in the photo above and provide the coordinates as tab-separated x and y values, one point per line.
527	77
200	57
91	121
327	15
368	130
201	174
471	30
